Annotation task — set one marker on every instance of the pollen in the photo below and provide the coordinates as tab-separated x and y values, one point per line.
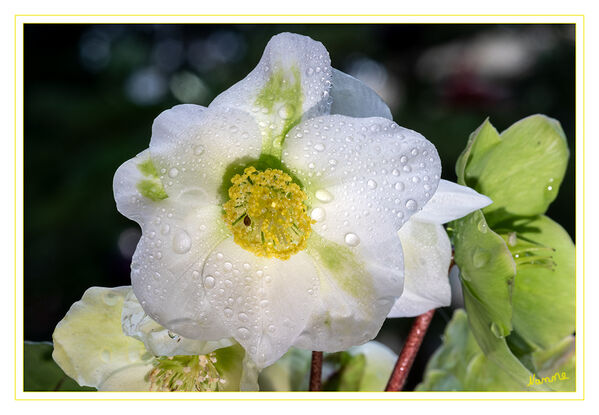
267	214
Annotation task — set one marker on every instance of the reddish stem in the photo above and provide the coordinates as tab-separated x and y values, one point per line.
408	353
316	372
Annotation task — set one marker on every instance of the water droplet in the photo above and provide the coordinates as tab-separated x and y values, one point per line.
323	195
496	330
264	303
371	184
181	242
209	282
228	266
174	172
399	186
247	266
110	299
286	111
332	162
395	172
243	332
403	159
411	204
309	71
272	329
165	229
243	317
318	214
319	147
198	150
228	312
480	258
351	239
105	355
482	226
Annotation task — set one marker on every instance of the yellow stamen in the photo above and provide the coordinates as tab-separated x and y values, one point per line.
267	214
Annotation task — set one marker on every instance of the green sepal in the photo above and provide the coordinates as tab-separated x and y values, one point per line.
544	301
349	373
520	169
487	273
460	365
41	373
487	269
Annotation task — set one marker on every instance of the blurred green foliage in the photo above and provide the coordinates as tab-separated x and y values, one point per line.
92	92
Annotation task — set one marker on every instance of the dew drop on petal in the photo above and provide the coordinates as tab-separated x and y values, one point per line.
209	282
228	312
399	186
198	150
323	195
318	214
181	242
174	172
351	239
105	355
165	229
228	266
411	204
243	332
319	147
371	184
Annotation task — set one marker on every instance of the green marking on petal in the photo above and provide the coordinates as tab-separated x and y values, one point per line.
148	169
342	265
151	187
281	100
238	166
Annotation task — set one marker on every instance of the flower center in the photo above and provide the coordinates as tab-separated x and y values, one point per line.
267	214
185	373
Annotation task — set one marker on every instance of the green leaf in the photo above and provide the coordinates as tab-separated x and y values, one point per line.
557	365
487	272
544	289
487	269
41	373
349	376
520	170
289	373
460	365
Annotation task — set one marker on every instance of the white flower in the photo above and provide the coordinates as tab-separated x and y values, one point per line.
91	347
271	216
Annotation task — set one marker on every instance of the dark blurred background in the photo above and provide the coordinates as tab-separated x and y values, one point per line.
92	92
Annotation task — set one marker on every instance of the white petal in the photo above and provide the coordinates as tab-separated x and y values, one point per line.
132	378
364	177
451	201
127	186
358	286
90	346
167	266
158	340
264	303
192	146
427	255
291	82
354	98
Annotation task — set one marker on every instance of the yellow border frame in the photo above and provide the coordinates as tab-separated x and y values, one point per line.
306	396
